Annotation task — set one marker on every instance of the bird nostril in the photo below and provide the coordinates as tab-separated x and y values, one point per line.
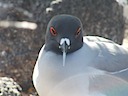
69	47
59	46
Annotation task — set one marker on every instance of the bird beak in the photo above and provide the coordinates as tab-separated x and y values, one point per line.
64	46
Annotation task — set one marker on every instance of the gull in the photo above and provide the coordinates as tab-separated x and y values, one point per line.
70	64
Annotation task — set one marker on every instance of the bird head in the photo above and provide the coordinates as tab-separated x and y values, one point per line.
64	35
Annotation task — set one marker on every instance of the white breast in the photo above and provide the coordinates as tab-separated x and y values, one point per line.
51	77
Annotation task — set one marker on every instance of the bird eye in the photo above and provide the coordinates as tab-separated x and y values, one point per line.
53	31
78	31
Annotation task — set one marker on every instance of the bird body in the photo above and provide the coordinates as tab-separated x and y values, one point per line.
86	58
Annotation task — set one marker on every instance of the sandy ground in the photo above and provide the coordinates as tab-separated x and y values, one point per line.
125	41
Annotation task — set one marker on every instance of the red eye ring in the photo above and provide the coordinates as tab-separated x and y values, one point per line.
78	31
53	31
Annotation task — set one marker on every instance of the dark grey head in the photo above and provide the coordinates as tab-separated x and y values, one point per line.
64	33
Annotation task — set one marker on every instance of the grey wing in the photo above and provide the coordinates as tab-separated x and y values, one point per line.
111	57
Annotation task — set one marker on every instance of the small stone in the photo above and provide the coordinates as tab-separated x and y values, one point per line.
3	53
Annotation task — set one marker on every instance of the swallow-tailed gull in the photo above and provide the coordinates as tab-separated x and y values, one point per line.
70	64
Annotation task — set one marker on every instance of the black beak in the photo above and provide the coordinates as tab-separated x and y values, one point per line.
64	46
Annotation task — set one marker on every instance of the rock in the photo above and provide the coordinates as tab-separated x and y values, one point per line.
8	87
99	17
